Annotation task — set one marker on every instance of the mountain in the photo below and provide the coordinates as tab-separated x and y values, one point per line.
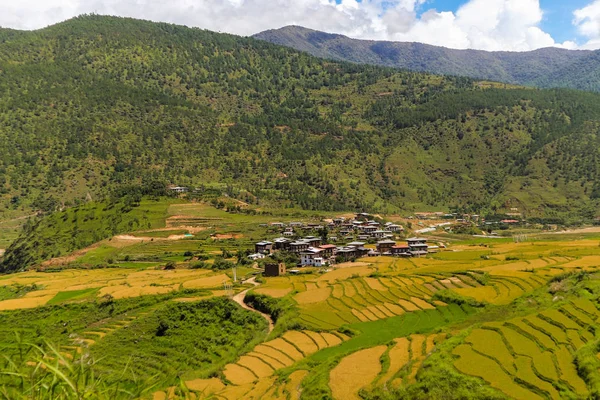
546	68
95	105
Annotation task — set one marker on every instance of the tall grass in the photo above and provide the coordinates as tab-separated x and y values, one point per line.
36	372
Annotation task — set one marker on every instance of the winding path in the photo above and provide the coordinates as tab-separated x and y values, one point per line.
239	298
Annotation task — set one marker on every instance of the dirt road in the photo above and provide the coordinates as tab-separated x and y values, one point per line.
239	298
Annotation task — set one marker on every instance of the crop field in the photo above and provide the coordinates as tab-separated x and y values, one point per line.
78	285
526	351
515	319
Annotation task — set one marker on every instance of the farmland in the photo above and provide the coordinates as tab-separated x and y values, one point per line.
489	317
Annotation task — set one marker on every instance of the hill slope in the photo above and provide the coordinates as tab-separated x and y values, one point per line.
549	67
99	103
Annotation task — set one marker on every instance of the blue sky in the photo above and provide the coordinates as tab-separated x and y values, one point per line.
508	25
558	17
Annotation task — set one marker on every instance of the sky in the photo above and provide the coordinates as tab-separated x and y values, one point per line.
511	25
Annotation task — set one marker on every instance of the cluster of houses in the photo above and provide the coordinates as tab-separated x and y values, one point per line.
348	228
313	253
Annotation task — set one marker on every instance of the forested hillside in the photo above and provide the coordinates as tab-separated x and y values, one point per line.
97	103
546	68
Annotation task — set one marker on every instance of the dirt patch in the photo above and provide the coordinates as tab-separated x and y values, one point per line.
223	236
2	251
132	238
64	260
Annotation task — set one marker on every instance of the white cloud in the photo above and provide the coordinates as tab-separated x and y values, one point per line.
479	24
587	21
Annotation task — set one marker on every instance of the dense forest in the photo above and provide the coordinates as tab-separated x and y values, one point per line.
97	103
544	68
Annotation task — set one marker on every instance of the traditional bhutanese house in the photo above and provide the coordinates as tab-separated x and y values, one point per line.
346	232
288	233
418	246
333	238
297	247
368	229
263	247
274	269
373	223
328	250
346	253
433	249
178	189
277	224
394	228
355	244
312	257
257	256
363	237
281	243
362	215
379	234
385	246
339	221
313	241
373	253
296	224
401	250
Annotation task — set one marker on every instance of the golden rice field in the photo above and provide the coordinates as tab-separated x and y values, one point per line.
381	287
390	366
529	357
253	375
119	283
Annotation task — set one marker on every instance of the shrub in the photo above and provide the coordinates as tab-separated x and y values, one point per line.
221	264
170	265
448	296
200	265
284	311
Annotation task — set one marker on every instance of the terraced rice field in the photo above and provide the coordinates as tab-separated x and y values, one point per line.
252	375
381	365
355	372
529	357
351	294
362	299
119	283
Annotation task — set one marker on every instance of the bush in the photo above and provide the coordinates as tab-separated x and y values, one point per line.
448	296
284	311
170	265
200	265
221	264
481	278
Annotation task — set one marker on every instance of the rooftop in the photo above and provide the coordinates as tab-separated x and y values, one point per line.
328	246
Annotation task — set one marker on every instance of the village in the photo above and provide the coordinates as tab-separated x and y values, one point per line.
356	233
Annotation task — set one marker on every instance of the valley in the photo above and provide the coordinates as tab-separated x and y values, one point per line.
374	327
187	214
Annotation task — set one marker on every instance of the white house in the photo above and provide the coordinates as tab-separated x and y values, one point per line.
312	257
